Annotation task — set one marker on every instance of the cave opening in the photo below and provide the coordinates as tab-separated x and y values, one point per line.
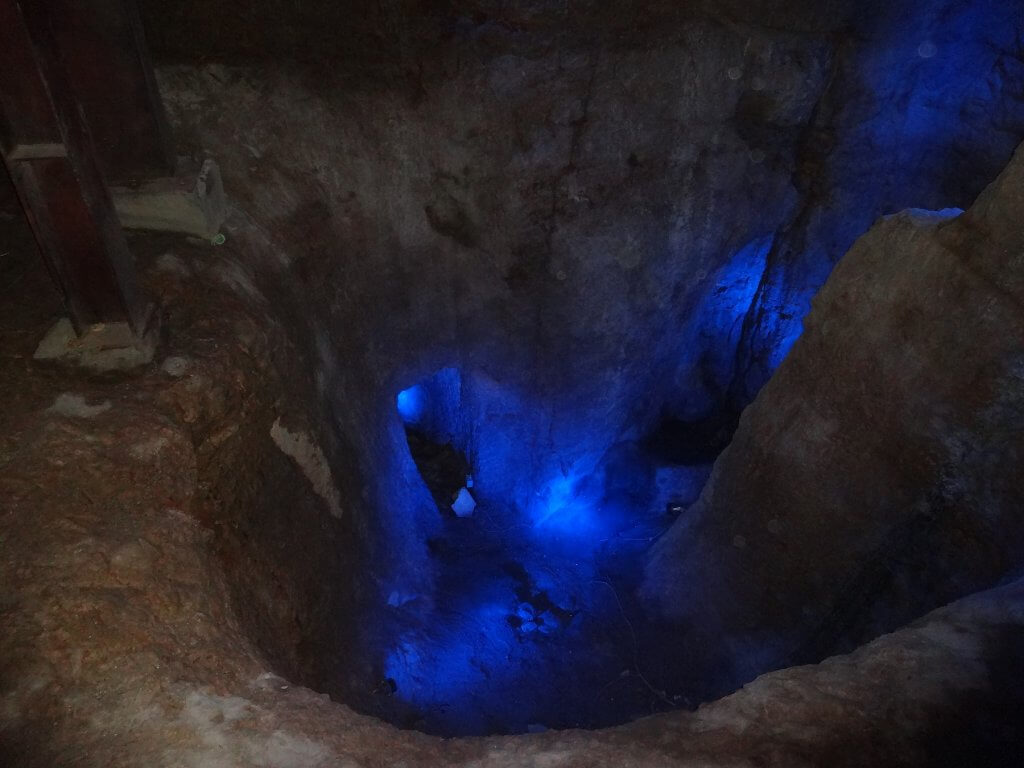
428	413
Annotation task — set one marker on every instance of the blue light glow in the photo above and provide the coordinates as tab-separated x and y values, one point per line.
708	359
432	672
562	506
506	619
411	404
517	585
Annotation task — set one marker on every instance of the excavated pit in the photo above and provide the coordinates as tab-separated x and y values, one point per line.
525	288
500	410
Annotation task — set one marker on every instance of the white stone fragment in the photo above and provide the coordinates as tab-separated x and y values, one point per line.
68	404
175	367
464	504
311	460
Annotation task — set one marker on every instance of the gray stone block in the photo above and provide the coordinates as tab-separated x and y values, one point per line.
192	206
104	347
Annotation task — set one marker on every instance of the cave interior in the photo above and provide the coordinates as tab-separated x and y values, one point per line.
547	367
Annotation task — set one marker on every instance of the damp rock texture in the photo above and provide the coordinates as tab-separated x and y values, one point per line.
131	598
875	476
607	218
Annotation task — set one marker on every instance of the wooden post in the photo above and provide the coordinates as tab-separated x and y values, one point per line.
107	63
48	152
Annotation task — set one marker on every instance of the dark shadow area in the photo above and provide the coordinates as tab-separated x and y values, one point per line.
688	443
988	729
444	469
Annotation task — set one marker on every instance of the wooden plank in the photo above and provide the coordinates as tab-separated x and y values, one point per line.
24	99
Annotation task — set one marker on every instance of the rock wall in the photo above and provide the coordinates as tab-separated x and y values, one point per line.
121	644
875	476
604	220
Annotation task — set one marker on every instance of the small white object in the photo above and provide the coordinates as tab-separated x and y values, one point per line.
464	504
175	367
397	599
469	481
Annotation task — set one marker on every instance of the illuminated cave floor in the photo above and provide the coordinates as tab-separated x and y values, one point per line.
526	632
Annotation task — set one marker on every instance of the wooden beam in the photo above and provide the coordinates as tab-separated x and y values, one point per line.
105	56
59	182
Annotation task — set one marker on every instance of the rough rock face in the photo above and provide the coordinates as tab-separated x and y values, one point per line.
126	509
613	222
876	474
900	126
642	146
395	36
523	219
605	214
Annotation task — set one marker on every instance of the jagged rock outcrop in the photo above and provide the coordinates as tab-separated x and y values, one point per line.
877	474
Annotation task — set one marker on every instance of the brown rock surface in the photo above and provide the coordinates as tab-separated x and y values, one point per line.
173	583
123	531
876	475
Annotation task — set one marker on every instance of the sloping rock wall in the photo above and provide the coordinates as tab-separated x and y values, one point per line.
876	475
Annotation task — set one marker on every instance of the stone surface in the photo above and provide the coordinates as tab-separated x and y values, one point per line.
602	223
608	210
102	348
603	216
875	475
125	640
307	454
68	404
191	206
